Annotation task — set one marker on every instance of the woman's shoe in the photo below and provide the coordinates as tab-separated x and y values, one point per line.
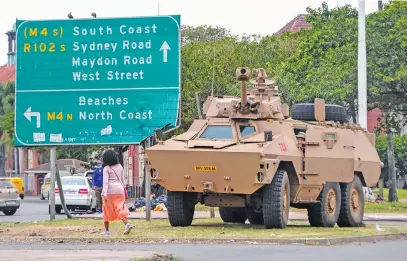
128	228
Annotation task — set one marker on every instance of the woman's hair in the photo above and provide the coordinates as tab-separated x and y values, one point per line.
110	157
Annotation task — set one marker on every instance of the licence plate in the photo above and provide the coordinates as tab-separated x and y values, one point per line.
11	203
69	192
205	168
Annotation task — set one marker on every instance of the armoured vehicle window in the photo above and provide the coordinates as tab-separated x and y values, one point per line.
217	132
246	130
330	136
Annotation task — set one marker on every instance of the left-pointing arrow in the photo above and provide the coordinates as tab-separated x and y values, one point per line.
28	114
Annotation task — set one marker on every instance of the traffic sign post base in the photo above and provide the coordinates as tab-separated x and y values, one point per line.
53	167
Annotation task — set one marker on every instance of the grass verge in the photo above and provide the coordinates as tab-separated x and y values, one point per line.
370	207
201	229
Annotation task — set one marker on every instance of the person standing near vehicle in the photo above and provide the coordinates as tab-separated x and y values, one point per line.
113	193
97	184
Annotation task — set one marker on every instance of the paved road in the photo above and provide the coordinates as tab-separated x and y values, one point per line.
371	252
31	209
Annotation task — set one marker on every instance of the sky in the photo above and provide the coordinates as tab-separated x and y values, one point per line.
240	16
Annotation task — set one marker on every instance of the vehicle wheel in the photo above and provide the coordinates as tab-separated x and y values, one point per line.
353	204
22	196
58	209
181	208
42	197
276	201
325	213
255	218
233	214
305	112
10	212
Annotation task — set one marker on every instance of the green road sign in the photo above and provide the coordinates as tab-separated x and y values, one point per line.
96	81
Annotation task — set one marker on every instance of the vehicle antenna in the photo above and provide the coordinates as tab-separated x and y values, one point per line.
213	69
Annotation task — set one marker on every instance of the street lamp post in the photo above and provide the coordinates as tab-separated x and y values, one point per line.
362	77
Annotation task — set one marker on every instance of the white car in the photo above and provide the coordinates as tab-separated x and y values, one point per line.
78	194
9	198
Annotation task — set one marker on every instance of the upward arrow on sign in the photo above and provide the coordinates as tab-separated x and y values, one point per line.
165	47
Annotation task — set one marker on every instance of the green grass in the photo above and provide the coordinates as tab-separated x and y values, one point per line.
79	229
386	207
401	193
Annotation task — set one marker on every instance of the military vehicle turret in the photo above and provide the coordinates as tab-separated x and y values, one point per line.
254	161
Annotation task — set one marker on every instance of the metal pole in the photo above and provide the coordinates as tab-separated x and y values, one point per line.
213	70
158	7
53	166
148	184
198	105
362	78
61	193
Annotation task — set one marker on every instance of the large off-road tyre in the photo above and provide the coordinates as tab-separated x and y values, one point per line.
276	201
325	213
255	218
181	208
233	214
353	204
305	112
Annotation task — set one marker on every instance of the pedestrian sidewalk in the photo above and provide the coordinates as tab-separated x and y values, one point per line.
75	255
294	216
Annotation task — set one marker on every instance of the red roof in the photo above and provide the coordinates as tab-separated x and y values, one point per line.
373	117
295	25
7	74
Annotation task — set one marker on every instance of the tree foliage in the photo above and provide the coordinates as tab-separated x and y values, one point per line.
387	53
7	94
400	151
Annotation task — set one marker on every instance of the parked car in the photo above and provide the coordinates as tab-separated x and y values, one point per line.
78	194
9	198
47	183
18	183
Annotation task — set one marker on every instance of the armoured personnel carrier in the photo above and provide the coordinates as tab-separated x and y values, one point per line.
254	161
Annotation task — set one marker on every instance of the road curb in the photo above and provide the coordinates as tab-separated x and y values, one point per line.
291	219
251	241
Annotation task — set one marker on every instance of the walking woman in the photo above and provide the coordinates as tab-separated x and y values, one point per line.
114	207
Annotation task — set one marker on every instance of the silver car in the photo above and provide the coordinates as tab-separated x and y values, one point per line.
9	198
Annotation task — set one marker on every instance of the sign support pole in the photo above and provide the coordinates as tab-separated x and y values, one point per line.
53	166
61	193
147	184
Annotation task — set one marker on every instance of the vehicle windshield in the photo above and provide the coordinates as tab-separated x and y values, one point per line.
246	130
73	181
6	184
217	132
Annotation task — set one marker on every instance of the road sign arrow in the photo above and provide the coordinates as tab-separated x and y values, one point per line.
165	47
28	114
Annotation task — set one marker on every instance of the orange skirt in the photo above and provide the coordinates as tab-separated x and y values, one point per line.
115	208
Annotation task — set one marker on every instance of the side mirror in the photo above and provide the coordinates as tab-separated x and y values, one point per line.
268	136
